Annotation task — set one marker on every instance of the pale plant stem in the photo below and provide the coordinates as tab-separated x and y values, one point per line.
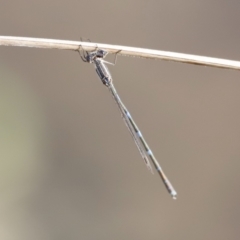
121	50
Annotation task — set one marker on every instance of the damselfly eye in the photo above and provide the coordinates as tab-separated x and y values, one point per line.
101	53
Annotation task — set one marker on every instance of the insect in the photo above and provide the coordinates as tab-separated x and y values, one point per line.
97	58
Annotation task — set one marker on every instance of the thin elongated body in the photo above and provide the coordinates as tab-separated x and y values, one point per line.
96	58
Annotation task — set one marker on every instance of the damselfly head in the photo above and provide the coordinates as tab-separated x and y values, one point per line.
101	53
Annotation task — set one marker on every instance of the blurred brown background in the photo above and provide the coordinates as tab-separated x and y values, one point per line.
68	166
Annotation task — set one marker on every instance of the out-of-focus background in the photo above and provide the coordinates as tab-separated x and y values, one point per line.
68	166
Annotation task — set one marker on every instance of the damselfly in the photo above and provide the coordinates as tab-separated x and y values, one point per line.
97	58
